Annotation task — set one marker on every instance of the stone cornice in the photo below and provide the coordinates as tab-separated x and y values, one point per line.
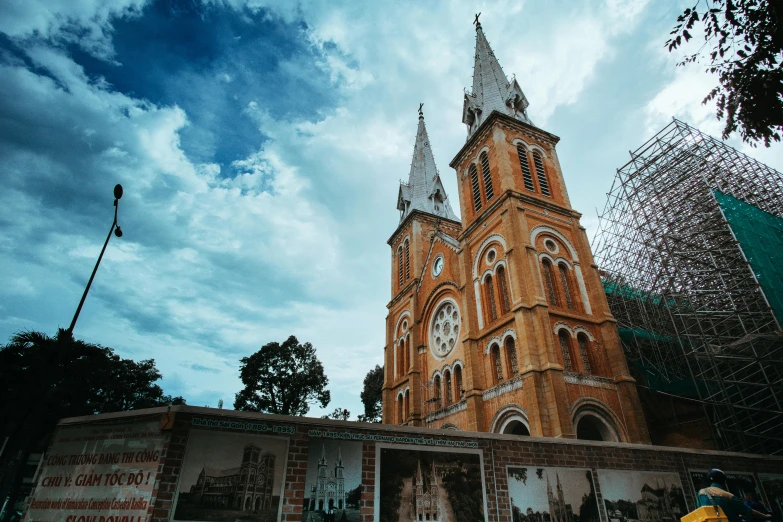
422	216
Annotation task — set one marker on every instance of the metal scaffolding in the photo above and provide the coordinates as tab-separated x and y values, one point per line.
694	320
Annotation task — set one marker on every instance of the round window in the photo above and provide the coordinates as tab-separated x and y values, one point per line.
550	245
404	326
444	328
491	255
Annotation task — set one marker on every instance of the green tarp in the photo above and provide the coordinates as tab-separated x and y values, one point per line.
760	235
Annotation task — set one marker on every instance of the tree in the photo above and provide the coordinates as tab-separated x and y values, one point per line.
283	379
43	379
372	395
338	414
746	40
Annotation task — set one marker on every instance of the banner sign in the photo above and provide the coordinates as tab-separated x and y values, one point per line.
98	474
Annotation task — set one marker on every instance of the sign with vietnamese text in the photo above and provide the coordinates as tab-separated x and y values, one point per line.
98	474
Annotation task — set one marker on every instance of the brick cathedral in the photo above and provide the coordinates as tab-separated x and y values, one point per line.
498	322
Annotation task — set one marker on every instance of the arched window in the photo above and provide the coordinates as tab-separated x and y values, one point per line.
566	287
447	384
403	367
474	182
511	357
549	282
565	348
407	260
400	413
406	406
497	365
527	178
458	382
542	182
437	387
584	348
487	176
492	313
400	265
505	302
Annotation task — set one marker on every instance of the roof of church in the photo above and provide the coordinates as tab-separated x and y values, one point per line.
491	88
424	190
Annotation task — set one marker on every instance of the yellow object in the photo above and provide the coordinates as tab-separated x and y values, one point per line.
705	514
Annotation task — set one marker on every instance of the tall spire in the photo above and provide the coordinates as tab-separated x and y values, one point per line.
491	89
424	190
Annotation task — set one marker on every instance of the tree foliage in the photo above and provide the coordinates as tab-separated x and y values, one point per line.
745	38
338	414
372	395
63	377
282	378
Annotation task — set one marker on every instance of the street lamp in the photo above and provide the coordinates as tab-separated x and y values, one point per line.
117	232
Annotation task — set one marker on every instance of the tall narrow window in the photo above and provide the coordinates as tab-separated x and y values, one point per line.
505	302
487	176
407	260
400	413
494	353
407	406
490	291
511	356
400	265
565	348
549	282
458	382
566	287
437	387
447	384
542	182
527	177
403	363
474	183
584	344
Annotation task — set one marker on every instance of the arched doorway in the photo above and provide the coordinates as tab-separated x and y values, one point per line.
593	427
516	427
320	505
331	504
511	420
258	503
248	504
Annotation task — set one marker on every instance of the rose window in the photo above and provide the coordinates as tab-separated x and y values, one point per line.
444	331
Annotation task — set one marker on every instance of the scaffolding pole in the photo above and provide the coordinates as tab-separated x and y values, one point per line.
689	309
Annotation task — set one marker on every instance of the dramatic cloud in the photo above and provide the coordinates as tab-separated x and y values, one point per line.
260	145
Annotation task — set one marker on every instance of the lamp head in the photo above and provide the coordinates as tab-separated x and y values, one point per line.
117	191
118	231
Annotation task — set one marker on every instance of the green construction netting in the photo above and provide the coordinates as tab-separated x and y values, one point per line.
760	235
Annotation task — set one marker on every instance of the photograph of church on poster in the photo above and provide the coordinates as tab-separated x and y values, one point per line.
427	484
646	496
227	476
552	495
738	483
333	486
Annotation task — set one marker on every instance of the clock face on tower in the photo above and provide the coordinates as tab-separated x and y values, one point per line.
444	329
437	266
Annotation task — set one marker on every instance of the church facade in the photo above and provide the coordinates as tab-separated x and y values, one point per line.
328	493
498	321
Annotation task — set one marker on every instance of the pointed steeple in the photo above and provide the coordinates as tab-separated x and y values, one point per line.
491	89
424	190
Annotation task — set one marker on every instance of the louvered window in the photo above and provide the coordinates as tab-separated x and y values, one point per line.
511	355
566	287
407	260
495	354
436	391
447	384
527	177
400	266
458	382
542	182
491	310
505	302
474	182
549	282
583	347
487	176
565	347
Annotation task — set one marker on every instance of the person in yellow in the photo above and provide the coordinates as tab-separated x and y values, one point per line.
717	495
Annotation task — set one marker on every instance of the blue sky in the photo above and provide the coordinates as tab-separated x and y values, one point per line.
260	145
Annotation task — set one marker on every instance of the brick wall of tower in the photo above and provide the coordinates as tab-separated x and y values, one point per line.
497	453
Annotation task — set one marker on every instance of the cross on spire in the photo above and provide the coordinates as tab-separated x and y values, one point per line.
421	113
476	21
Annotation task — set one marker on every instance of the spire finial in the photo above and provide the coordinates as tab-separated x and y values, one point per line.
421	113
476	21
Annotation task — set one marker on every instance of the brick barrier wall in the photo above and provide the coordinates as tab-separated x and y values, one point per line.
182	426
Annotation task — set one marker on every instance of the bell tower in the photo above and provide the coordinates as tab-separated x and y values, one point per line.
509	328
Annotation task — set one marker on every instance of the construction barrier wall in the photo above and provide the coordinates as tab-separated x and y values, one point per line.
202	464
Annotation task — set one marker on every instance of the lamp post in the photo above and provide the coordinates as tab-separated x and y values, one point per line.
117	232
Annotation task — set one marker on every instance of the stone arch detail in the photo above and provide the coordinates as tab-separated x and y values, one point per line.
582	329
508	414
540	229
591	407
563	326
403	315
494	237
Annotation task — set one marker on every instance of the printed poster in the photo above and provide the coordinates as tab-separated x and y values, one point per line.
333	486
646	496
552	495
